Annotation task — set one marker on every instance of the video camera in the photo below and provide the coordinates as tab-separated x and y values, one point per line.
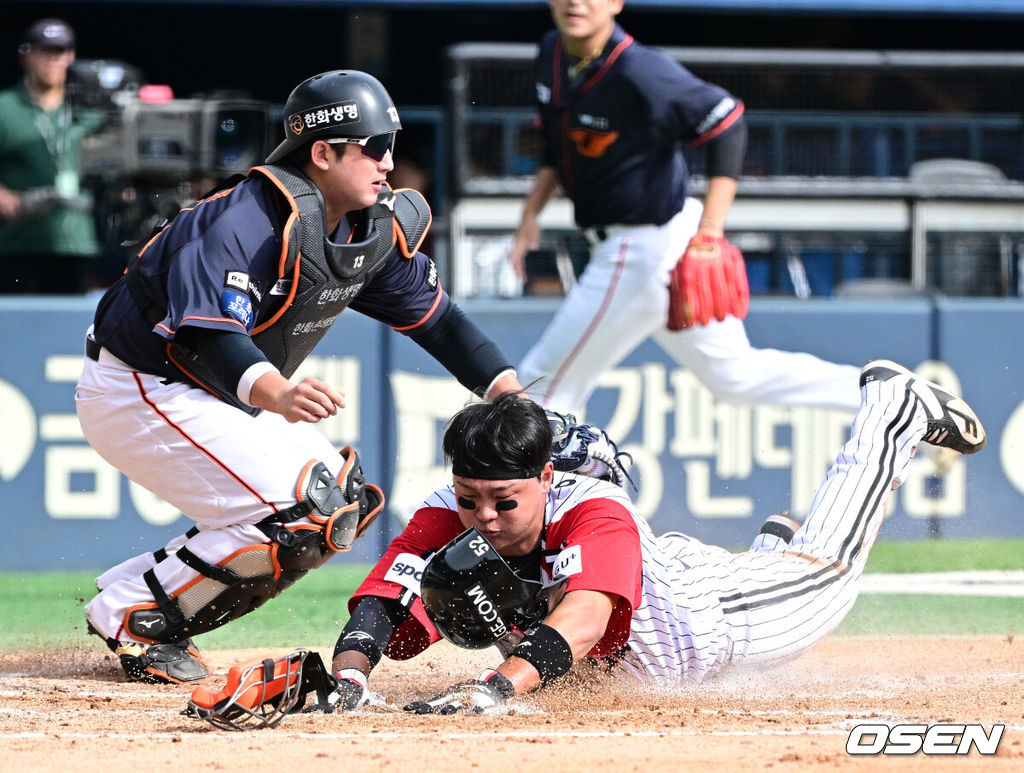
155	154
151	135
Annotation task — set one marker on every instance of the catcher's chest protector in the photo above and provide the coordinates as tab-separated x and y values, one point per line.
322	277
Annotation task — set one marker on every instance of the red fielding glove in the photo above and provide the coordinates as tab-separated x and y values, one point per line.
708	282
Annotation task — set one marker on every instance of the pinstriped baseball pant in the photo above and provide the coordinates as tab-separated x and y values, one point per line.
786	601
706	609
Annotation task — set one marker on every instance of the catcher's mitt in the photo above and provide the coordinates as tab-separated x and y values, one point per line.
708	282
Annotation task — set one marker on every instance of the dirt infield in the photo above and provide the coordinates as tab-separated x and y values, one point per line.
72	711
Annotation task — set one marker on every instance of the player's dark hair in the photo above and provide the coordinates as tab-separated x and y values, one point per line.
508	438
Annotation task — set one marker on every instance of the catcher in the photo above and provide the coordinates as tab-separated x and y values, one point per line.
188	389
615	115
556	567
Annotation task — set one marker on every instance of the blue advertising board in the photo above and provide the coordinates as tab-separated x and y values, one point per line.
711	469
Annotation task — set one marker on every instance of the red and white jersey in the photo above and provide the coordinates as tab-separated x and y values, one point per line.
669	624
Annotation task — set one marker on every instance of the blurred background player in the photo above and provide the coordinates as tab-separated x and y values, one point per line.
187	381
558	567
614	114
47	235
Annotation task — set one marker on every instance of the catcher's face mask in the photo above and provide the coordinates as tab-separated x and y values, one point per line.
473	597
260	695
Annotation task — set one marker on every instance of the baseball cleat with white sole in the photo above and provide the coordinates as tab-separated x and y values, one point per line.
952	423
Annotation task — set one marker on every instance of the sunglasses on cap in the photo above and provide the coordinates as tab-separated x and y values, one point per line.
375	147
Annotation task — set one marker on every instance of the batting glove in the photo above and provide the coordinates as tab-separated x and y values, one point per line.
476	696
351	693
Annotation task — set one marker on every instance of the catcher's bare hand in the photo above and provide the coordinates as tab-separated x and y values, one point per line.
708	282
475	696
309	401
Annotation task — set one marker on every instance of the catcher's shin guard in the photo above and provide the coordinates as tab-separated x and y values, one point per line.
328	516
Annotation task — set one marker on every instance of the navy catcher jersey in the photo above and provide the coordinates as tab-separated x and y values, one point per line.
614	131
216	266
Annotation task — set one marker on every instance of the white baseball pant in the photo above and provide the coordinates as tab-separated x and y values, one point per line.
622	298
224	469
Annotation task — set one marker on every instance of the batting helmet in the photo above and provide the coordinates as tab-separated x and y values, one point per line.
339	103
474	598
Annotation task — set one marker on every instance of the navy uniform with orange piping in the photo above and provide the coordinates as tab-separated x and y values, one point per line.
277	282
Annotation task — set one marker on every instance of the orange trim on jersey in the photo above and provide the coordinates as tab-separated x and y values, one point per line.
146	399
724	124
203	319
426	316
566	155
615	54
408	251
282	261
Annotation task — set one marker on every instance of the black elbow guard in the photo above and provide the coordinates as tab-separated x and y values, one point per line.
464	350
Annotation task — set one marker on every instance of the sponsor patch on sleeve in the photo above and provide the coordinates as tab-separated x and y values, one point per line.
237	279
407	571
237	305
568	562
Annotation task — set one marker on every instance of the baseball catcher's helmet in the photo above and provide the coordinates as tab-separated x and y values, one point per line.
474	598
260	694
339	103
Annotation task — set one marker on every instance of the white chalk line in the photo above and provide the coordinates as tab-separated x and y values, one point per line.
971	583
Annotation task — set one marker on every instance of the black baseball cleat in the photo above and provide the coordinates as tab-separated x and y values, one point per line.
161	663
951	421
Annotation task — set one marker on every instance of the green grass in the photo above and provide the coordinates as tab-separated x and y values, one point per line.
44	610
947	555
893	613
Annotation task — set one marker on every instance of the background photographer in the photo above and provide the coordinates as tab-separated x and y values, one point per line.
47	235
